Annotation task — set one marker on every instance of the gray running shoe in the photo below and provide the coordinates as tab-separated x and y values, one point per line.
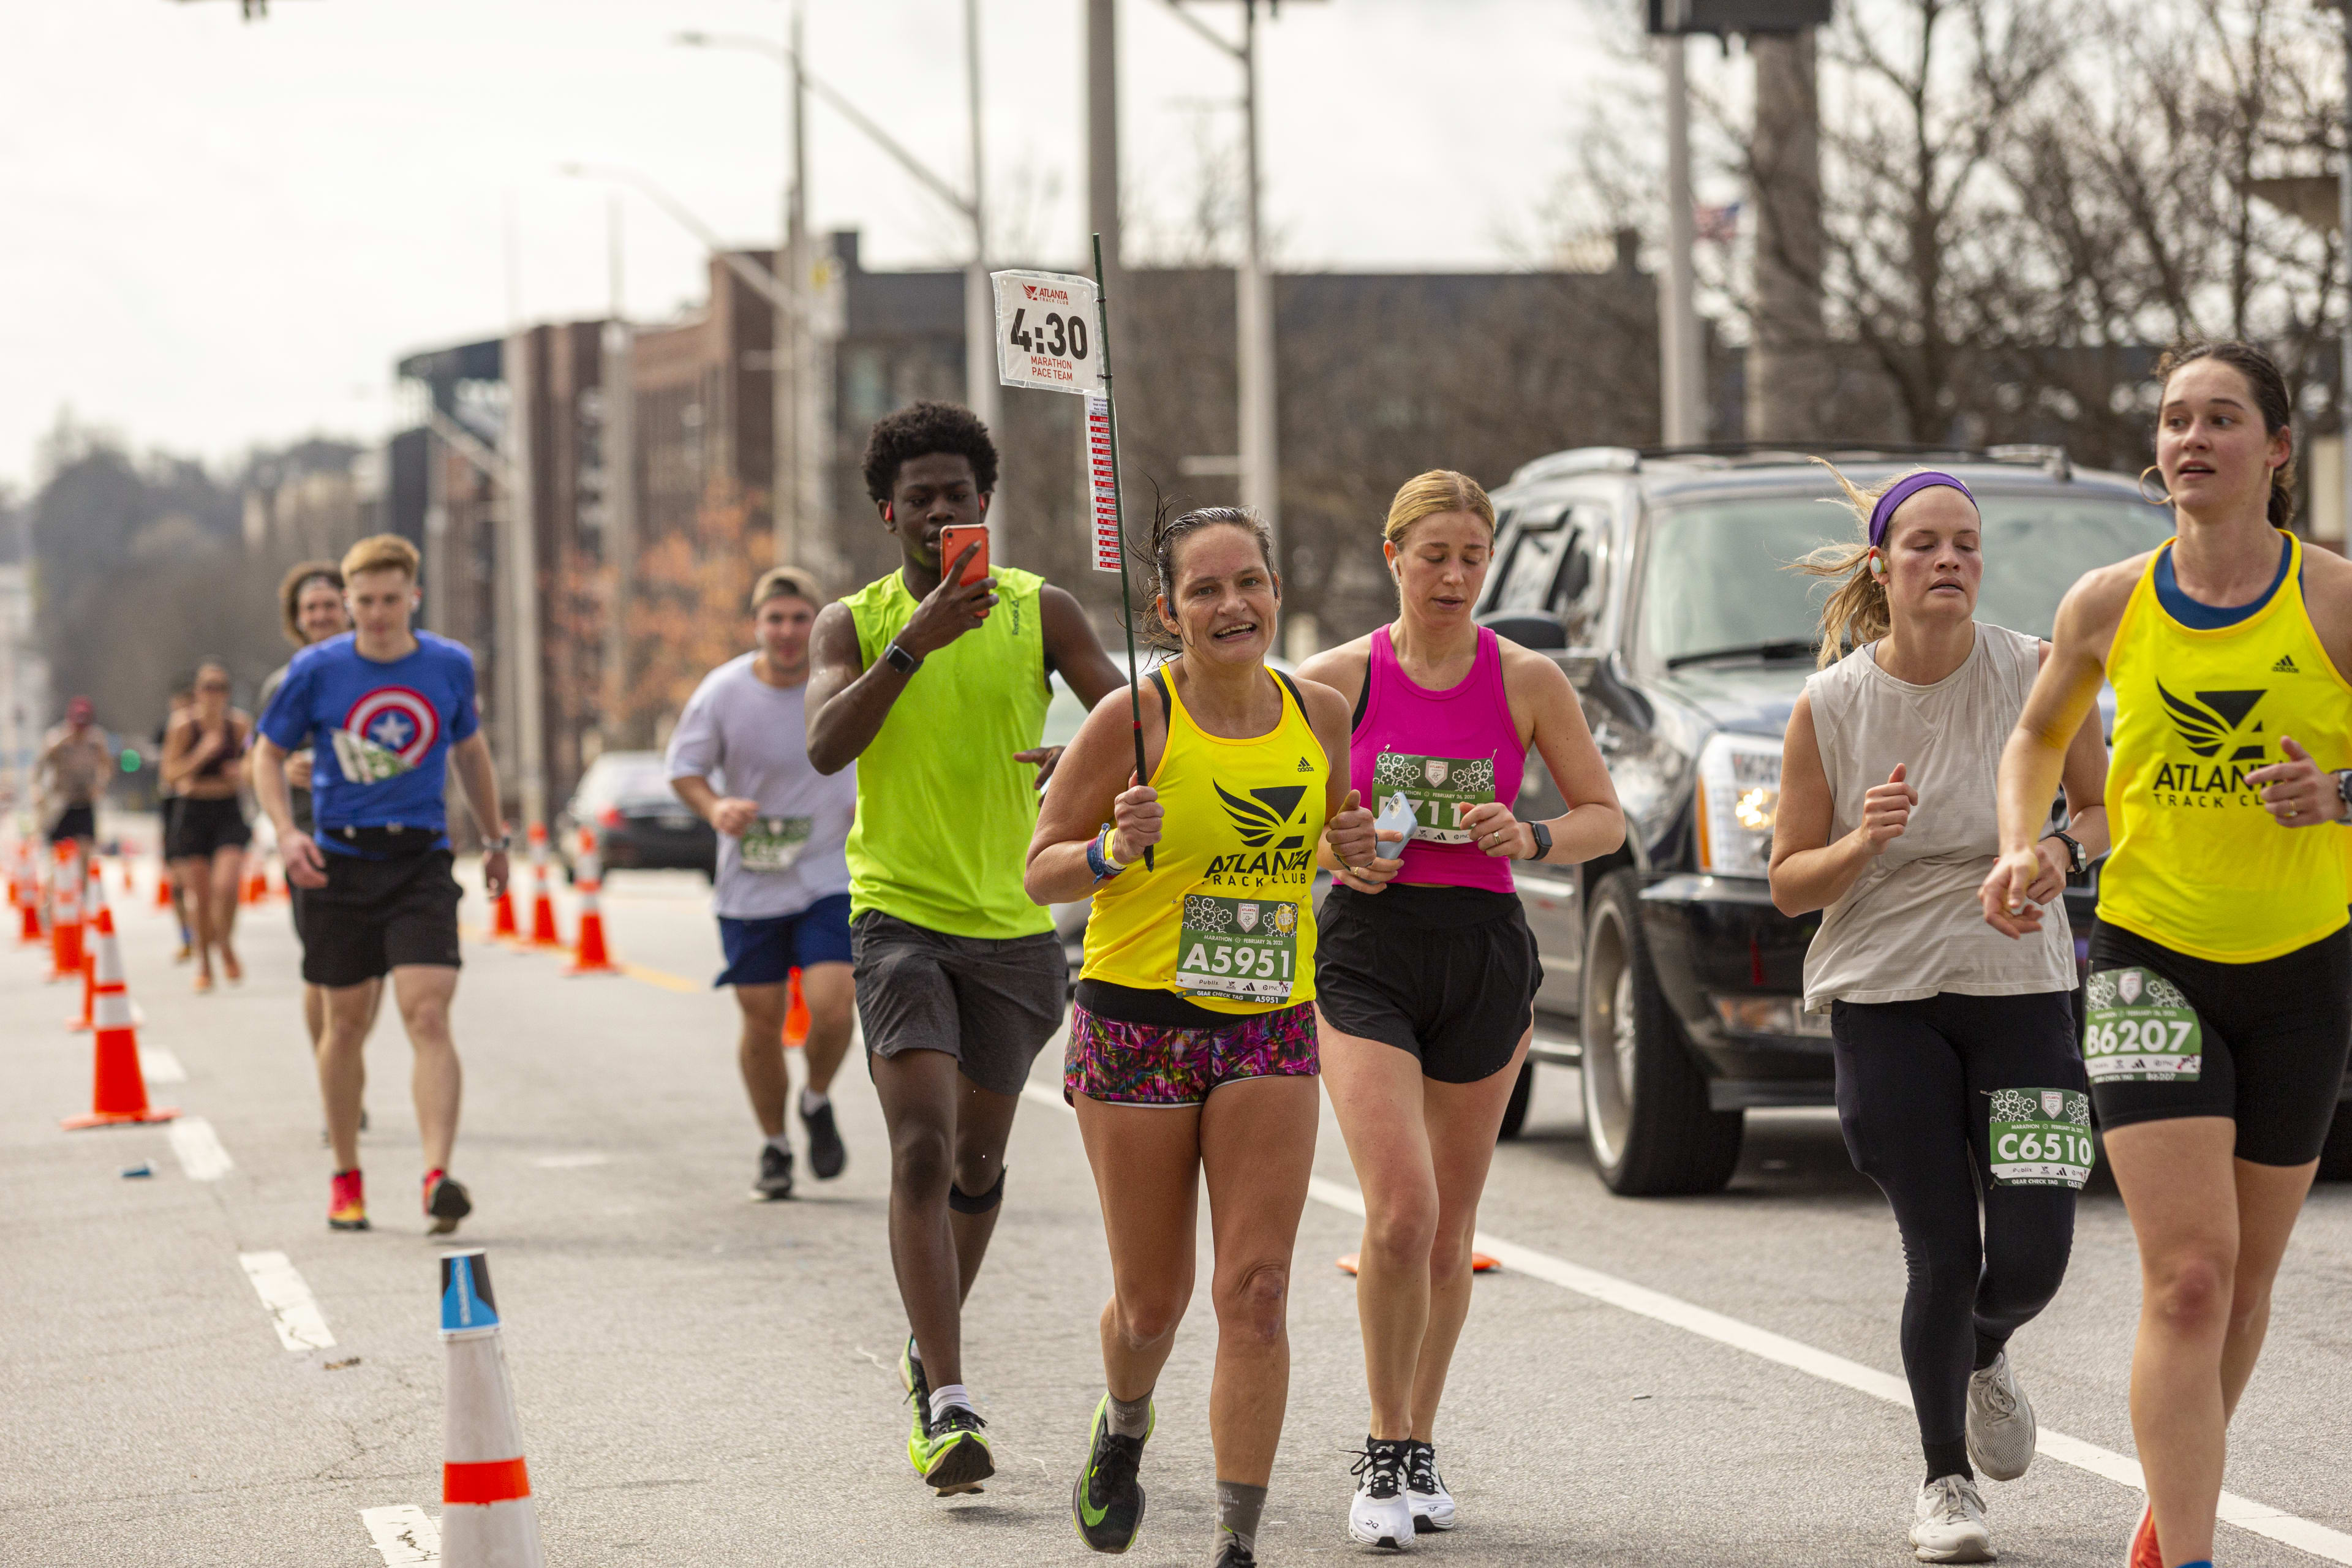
776	1174
1948	1523
2002	1430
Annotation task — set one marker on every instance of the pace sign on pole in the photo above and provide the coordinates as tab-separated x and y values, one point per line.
1054	335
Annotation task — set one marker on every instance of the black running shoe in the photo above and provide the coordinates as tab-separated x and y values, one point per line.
1107	1503
955	1456
446	1201
776	1174
826	1155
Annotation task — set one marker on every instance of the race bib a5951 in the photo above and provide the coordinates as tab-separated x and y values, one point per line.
2041	1137
1246	950
1441	791
2138	1028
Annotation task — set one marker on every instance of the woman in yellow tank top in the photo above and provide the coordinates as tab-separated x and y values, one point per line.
1192	1047
2220	999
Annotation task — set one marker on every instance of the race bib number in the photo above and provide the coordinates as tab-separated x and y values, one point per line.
1245	950
1441	791
2138	1028
2041	1138
773	842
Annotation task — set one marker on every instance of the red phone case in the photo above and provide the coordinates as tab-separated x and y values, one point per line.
952	543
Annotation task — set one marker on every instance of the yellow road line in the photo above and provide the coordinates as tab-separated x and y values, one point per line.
640	973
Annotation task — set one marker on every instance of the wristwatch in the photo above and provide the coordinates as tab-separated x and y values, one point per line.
2077	861
1542	831
2344	791
900	659
496	846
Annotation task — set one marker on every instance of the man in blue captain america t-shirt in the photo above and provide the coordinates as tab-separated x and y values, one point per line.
388	711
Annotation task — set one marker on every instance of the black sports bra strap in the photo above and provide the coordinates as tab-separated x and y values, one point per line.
1290	686
1160	684
1363	699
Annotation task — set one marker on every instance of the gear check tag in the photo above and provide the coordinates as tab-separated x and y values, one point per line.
1243	950
2138	1028
773	842
2041	1138
1441	791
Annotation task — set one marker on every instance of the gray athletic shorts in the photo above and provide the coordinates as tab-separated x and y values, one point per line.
990	1004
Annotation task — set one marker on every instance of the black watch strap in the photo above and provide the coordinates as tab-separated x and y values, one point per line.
1541	833
2077	859
2343	790
900	659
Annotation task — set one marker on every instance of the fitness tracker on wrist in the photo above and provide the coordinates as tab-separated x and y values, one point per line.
1542	832
2077	860
900	659
2344	791
496	846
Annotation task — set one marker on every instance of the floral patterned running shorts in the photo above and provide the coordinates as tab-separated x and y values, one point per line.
1137	1063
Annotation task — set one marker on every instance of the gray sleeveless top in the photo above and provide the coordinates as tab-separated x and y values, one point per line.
1911	926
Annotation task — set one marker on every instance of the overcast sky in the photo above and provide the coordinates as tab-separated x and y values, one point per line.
221	233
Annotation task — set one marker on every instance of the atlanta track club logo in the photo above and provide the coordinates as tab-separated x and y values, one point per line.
387	732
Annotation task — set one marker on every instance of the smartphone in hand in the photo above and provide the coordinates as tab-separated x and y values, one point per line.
954	541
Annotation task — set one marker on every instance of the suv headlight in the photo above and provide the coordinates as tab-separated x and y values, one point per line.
1738	795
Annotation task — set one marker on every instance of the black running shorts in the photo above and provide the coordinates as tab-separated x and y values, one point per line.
2274	1036
374	916
201	829
74	822
1448	973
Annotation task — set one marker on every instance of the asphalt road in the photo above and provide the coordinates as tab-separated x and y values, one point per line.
705	1380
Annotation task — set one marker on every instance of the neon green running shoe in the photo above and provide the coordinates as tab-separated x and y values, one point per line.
1107	1503
953	1454
919	1395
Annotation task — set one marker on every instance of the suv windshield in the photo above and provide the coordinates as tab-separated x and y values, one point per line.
1716	577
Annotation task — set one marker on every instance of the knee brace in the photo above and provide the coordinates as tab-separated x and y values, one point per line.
970	1203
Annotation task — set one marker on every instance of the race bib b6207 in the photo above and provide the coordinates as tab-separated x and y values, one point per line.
2138	1028
2041	1137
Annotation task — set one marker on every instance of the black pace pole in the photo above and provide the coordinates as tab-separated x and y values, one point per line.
1119	517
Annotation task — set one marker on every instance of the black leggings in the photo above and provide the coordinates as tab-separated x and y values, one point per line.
1913	1087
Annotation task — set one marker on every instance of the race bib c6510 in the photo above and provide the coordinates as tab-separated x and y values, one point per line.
1441	791
1245	950
2138	1028
773	842
2041	1137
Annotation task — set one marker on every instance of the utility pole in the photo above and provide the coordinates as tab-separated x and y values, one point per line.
617	376
792	334
522	651
1683	378
2343	228
1102	143
979	295
1789	373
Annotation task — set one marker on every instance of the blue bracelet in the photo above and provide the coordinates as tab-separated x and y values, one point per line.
1100	863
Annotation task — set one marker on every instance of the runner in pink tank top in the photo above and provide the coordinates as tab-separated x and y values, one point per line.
1425	972
1445	752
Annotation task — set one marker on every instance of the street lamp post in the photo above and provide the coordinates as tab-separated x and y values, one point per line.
978	296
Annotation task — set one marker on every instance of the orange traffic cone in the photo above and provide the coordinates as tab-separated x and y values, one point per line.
487	1519
542	904
96	902
257	885
502	919
28	929
65	918
17	877
795	1012
120	1093
162	884
589	956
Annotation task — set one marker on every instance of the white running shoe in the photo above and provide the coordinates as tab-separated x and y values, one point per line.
1381	1515
1424	1488
1948	1523
2002	1430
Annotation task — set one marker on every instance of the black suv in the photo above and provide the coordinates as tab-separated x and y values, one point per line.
1658	581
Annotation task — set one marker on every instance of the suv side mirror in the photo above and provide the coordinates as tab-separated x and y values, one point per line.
1529	629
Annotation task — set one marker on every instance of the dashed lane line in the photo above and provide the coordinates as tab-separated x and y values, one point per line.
405	1535
199	1150
158	1065
2245	1513
293	1310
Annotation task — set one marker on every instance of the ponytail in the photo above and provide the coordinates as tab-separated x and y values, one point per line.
1856	612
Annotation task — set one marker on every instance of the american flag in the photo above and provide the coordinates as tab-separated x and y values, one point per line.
1720	226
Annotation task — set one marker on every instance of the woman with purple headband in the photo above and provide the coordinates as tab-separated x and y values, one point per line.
1957	1080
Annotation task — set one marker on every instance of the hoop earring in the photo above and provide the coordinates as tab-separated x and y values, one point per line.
2164	499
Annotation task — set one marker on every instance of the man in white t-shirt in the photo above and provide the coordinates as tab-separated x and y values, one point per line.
740	757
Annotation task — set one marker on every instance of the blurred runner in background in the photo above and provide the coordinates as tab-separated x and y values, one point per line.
167	810
75	765
203	760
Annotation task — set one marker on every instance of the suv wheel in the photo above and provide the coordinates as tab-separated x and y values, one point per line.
1646	1117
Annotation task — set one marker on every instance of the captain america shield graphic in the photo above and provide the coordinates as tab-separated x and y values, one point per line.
396	719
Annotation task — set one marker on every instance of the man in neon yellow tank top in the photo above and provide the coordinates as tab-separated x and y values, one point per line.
938	692
2219	996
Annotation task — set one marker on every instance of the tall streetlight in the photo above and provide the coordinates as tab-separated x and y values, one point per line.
1261	462
979	297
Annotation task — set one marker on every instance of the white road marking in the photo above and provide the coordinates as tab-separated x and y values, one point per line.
199	1149
158	1065
2257	1518
571	1161
405	1535
293	1310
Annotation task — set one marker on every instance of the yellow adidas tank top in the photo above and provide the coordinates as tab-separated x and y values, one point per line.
1227	919
2199	865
